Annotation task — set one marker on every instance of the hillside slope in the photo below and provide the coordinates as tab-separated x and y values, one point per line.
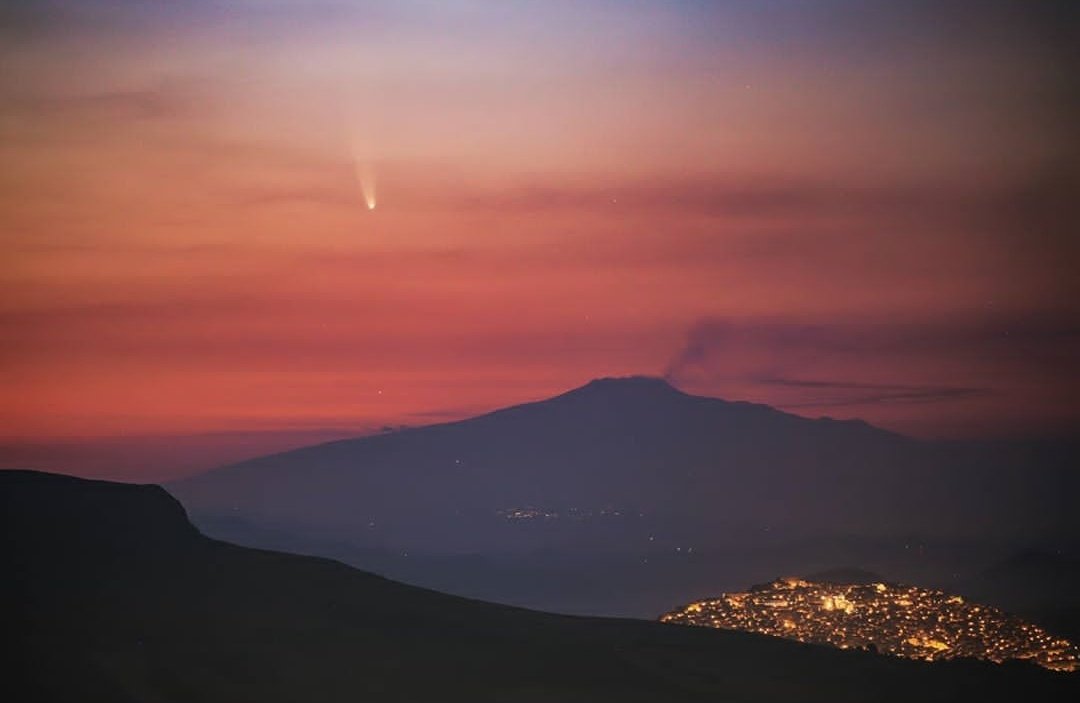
113	596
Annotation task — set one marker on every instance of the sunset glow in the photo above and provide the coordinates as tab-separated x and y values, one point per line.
862	218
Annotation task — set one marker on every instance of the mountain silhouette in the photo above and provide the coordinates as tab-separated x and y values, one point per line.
110	594
590	487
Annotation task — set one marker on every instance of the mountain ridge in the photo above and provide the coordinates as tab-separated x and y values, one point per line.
636	388
628	469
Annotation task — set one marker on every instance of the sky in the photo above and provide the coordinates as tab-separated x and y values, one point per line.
854	209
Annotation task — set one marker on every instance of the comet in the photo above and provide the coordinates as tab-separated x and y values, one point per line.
367	185
365	176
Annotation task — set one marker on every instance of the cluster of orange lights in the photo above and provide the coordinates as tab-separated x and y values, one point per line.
905	621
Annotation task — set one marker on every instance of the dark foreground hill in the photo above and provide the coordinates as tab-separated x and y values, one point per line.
111	595
628	496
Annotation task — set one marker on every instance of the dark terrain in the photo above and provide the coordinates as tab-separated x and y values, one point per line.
643	497
110	594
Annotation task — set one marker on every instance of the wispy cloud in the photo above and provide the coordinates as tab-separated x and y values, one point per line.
846	393
153	103
991	367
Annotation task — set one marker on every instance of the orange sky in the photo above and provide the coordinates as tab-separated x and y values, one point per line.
861	212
